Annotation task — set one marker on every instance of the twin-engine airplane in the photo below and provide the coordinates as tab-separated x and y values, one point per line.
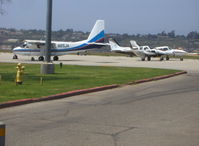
171	52
115	47
36	47
145	51
141	51
162	51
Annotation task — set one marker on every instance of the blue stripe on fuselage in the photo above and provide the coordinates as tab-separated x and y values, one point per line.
97	38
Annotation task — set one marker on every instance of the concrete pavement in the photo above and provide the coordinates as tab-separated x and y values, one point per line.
187	64
156	113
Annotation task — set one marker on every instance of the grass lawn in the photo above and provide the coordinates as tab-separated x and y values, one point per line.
69	78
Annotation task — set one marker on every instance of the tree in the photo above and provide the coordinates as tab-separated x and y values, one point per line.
2	2
193	35
172	34
163	33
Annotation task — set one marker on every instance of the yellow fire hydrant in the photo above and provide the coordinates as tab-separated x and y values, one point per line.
20	71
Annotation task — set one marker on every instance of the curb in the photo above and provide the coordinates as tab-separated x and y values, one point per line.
159	77
82	91
56	96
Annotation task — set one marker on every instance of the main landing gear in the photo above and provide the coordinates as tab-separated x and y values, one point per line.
148	58
32	59
15	57
41	58
161	58
143	58
167	57
55	58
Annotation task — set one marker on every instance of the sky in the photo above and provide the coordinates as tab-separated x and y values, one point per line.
121	16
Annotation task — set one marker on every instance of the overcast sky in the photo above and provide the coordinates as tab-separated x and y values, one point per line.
121	16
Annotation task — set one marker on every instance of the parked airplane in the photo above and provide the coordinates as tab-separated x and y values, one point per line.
115	47
144	51
171	52
36	47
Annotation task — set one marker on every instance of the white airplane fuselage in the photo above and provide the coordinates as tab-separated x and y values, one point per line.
60	48
37	47
115	47
170	52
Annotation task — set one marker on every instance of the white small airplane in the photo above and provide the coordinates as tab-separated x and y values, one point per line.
171	52
115	47
36	47
144	51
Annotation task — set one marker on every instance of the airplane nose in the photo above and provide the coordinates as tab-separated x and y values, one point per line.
15	49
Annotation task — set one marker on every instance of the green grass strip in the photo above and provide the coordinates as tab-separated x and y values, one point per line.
70	77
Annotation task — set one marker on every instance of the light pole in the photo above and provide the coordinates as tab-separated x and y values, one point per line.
47	67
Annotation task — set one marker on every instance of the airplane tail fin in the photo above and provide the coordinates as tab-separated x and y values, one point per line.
97	33
113	44
134	45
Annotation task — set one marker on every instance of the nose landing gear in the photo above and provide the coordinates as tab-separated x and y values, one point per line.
15	57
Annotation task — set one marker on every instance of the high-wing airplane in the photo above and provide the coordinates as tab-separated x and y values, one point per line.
171	52
115	47
36	47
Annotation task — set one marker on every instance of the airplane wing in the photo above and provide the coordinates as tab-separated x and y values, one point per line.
100	44
34	41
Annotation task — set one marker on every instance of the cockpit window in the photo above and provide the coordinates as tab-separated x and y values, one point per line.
24	45
165	49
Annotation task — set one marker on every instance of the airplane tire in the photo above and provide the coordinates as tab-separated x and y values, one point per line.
131	55
167	58
161	58
181	59
41	58
149	58
15	57
143	59
55	58
32	59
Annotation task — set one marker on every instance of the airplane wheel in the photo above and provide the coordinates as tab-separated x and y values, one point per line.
181	59
41	58
32	59
15	57
149	58
143	59
55	58
161	58
167	58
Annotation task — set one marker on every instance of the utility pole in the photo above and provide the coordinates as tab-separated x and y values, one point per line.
48	30
47	67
